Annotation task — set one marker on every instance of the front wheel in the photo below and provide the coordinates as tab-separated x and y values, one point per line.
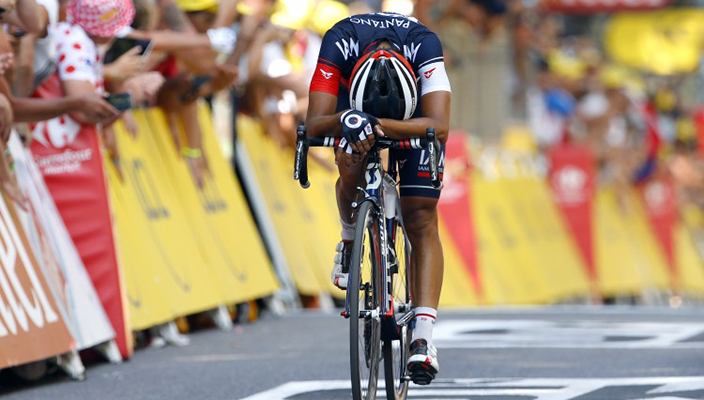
396	350
364	299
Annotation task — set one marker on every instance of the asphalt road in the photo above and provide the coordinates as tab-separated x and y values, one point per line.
567	353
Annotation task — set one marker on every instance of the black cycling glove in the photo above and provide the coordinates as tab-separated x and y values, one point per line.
356	126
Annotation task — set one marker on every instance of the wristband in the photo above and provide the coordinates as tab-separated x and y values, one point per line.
191	153
222	39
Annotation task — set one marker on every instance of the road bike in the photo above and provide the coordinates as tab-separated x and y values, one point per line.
378	304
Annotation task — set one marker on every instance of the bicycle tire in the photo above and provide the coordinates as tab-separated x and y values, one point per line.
365	337
396	352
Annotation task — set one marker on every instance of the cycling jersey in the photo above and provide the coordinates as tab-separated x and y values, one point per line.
349	39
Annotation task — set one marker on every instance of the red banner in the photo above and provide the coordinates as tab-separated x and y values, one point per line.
600	6
572	180
455	207
31	325
69	157
659	199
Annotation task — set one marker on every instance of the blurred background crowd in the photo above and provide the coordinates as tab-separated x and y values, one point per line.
628	87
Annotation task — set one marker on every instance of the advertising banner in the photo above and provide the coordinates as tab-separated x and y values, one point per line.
31	326
571	178
627	256
275	177
84	313
68	156
165	272
658	196
455	209
183	249
217	214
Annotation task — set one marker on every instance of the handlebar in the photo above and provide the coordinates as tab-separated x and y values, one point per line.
303	142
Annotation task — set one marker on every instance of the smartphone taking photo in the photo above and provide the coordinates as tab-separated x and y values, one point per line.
121	101
122	45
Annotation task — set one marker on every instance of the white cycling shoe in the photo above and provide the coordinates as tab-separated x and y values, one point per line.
340	270
423	363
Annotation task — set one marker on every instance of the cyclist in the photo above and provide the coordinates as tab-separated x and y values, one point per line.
381	75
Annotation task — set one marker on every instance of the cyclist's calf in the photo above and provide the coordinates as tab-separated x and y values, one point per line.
420	217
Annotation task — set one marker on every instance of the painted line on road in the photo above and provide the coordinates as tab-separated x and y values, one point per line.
498	333
535	388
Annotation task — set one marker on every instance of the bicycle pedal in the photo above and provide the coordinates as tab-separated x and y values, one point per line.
421	374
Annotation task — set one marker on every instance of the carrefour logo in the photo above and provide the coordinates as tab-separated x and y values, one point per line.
656	195
570	183
570	179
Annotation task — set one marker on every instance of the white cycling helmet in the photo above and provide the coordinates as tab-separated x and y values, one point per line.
383	84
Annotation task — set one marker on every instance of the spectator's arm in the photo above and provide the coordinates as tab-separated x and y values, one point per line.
192	49
169	41
248	27
24	66
29	16
104	113
173	18
227	12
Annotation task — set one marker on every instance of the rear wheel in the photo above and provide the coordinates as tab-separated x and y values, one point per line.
396	351
364	298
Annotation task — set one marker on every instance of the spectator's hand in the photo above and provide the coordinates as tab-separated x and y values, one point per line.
225	76
13	191
127	65
110	142
95	108
6	118
143	87
197	170
6	62
130	123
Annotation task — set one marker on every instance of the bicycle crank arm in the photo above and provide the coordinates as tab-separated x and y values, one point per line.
406	318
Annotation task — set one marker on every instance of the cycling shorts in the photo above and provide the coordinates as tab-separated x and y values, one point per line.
414	172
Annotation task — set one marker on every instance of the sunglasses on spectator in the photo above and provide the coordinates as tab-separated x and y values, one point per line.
2	11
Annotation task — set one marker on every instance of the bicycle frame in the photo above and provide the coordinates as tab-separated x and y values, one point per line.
380	190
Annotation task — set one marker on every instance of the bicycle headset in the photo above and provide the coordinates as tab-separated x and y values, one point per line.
383	84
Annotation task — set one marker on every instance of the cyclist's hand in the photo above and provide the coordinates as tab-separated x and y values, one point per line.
348	158
358	130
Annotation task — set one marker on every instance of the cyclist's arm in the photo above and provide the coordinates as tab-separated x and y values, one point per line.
321	119
435	107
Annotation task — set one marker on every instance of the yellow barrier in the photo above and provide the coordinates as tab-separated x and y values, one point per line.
182	250
457	288
273	168
687	254
627	256
525	253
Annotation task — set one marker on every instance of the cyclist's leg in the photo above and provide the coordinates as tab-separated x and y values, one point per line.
346	191
419	208
346	186
420	216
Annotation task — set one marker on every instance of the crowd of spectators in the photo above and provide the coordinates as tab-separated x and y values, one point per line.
557	78
68	64
265	51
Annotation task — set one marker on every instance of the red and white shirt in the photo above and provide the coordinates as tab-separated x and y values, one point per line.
77	55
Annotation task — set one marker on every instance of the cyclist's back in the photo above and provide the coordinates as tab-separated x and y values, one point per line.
345	42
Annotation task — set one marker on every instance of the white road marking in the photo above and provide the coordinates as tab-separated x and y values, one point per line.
565	334
538	388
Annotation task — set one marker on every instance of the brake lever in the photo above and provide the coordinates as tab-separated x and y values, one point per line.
300	165
433	157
